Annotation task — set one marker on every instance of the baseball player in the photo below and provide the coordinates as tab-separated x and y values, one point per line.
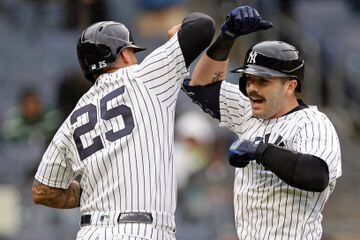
287	157
120	137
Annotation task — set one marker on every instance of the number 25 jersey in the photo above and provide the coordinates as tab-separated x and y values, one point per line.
120	138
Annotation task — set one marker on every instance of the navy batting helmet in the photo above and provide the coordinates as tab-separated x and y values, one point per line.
272	59
100	44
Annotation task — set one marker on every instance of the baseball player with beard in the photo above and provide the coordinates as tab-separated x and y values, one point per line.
120	137
287	157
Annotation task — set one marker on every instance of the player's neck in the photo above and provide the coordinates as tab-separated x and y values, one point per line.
291	104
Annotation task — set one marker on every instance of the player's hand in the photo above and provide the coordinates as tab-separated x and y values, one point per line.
243	151
243	20
173	30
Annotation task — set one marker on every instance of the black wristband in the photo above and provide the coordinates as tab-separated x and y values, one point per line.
220	48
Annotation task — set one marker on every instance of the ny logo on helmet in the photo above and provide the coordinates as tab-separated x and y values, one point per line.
252	57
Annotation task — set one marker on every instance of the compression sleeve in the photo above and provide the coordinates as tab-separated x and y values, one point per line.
195	35
220	48
207	97
303	171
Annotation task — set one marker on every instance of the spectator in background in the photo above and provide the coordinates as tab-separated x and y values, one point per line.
354	5
26	130
155	5
208	196
81	13
205	181
30	121
158	15
70	89
286	7
194	141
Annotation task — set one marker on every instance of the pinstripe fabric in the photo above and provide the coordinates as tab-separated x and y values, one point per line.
126	161
265	206
129	231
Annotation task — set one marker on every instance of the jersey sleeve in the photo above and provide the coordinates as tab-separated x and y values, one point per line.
163	70
319	138
55	169
233	106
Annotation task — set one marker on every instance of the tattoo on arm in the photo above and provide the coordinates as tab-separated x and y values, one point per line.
219	76
56	197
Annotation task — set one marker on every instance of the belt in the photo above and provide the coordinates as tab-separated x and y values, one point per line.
129	217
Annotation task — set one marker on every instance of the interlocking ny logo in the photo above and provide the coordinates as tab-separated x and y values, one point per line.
252	57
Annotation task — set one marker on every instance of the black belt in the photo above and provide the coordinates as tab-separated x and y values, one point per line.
130	217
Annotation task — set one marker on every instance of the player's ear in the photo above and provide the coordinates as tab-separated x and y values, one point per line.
128	57
124	54
290	87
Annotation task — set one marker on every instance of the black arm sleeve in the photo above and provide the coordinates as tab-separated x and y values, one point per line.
303	171
207	97
220	48
195	35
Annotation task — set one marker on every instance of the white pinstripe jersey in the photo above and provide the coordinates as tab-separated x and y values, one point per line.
120	137
265	206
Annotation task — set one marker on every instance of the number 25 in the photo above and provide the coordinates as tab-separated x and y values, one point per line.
106	114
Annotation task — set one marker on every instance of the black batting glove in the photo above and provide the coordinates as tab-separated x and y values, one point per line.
243	151
243	20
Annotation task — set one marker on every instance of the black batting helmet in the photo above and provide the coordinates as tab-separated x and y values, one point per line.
100	44
272	59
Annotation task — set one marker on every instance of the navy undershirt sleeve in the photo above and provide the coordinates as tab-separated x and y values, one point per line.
207	97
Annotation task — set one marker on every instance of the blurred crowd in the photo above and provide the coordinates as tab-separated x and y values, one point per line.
41	83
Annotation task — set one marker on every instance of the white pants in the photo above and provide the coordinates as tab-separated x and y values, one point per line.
125	231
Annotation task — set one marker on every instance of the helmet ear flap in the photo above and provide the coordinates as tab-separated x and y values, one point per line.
242	84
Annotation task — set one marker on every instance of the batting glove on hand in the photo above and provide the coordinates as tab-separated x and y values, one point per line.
242	152
243	20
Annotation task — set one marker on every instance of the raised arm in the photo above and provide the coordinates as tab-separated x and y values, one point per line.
195	34
212	66
56	197
299	170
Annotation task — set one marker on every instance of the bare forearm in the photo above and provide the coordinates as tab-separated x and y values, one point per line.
212	66
56	197
208	71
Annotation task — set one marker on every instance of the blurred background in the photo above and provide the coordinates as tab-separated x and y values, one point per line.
40	82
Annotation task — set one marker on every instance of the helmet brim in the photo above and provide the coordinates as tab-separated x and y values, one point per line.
259	71
137	48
